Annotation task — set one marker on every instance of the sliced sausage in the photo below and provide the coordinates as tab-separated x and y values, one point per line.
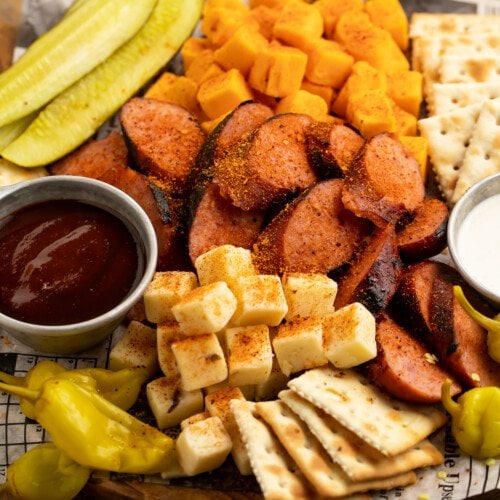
163	140
411	303
403	366
460	343
242	120
384	182
314	233
106	160
216	222
265	166
425	235
331	148
373	277
94	158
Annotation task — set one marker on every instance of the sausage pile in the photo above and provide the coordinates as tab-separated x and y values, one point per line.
305	196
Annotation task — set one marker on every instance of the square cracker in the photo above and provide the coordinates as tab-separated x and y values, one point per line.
463	68
276	473
389	426
358	459
482	157
448	136
446	97
326	476
427	23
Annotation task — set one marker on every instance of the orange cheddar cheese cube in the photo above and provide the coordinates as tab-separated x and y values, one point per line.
203	67
266	17
371	112
303	102
241	49
323	91
175	89
327	63
331	10
278	70
223	93
406	123
390	15
298	23
192	48
419	148
367	42
405	89
363	77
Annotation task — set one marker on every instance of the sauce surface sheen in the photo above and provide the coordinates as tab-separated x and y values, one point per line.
64	262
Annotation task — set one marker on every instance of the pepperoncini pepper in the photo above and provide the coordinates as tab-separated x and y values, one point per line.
93	431
491	325
475	420
45	472
121	387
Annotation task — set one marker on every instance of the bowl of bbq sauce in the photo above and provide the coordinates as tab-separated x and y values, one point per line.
76	255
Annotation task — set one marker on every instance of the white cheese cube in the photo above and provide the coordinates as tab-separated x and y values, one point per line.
298	345
247	390
164	291
261	300
250	355
276	382
200	361
308	294
224	263
206	309
166	333
169	403
349	336
197	417
203	446
136	347
217	404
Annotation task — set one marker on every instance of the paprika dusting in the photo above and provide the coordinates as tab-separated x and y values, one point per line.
64	262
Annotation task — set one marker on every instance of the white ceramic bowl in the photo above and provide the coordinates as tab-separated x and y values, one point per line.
475	195
68	339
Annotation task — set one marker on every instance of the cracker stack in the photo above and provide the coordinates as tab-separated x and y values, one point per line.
307	444
459	57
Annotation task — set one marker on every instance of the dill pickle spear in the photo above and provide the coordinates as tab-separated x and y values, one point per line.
74	115
14	129
72	48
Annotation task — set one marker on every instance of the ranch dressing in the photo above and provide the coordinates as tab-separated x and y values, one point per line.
478	243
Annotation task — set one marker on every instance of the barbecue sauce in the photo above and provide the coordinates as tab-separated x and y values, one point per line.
63	262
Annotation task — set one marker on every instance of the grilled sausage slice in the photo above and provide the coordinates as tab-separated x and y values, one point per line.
314	233
374	274
265	166
331	148
403	367
242	120
106	160
457	339
163	140
216	222
425	235
384	182
411	303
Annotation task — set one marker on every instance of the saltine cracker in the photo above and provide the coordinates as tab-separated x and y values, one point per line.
358	459
388	425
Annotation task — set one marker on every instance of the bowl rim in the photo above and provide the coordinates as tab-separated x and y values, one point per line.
456	218
120	310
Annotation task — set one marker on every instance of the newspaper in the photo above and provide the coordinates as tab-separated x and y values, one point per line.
459	477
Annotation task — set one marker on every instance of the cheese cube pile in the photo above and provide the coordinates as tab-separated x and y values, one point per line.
227	333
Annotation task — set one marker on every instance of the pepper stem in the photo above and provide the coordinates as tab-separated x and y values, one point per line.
481	319
451	406
11	379
22	392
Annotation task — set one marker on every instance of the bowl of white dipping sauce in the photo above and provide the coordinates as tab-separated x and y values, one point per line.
474	237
